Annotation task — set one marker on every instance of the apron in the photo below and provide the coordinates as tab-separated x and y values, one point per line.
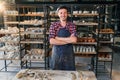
63	55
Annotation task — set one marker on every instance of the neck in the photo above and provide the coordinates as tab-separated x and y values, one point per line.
63	23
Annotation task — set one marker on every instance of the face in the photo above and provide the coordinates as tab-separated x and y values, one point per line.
62	13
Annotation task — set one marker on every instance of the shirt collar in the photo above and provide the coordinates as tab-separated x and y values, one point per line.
67	24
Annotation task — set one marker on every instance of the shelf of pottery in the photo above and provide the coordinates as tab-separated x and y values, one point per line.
10	39
106	35
10	48
86	21
10	36
32	34
105	50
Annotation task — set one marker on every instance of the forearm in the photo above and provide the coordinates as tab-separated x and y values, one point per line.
57	42
72	39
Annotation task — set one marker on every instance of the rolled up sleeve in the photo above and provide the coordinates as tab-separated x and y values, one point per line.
73	29
52	32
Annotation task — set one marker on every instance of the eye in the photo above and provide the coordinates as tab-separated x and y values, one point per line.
61	13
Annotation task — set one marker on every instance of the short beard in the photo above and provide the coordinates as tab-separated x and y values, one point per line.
63	20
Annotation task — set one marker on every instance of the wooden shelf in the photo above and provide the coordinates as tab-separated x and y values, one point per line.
8	32
21	14
86	43
106	32
86	14
14	65
105	49
42	15
52	15
106	42
12	22
87	24
8	50
105	59
11	15
10	41
84	53
33	60
8	58
34	42
30	32
25	58
23	23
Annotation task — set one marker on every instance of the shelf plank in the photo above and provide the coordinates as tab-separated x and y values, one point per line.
106	42
87	43
105	59
34	42
23	23
9	32
33	60
84	53
21	14
86	14
11	15
10	41
106	32
42	15
8	58
30	32
86	24
14	65
25	58
105	49
52	15
8	50
12	22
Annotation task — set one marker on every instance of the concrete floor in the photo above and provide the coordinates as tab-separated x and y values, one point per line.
8	75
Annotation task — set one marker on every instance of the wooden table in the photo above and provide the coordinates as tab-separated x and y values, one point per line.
36	74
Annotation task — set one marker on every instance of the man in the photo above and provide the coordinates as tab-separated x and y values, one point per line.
62	35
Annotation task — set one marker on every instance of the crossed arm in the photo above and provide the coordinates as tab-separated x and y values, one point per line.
62	40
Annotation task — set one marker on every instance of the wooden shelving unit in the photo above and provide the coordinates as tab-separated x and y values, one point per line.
89	21
106	37
33	36
10	37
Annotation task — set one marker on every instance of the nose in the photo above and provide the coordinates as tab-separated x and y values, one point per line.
63	14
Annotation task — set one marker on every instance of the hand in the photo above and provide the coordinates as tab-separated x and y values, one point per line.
72	35
56	37
73	38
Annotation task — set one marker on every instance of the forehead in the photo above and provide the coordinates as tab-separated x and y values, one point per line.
62	10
